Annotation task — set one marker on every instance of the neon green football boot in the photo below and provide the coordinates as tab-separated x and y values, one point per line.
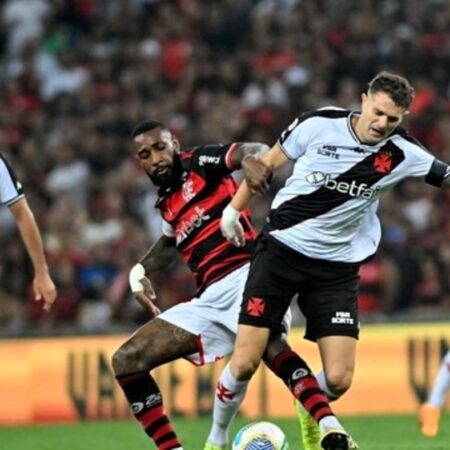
310	430
336	439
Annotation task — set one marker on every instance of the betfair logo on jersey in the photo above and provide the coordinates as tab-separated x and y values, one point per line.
353	189
186	227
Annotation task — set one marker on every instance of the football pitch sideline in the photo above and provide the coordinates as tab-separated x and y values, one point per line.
371	433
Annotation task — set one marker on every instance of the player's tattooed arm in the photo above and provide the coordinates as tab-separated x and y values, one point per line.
258	170
230	226
247	155
160	255
246	149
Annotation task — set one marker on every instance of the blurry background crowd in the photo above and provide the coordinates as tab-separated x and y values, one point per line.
77	75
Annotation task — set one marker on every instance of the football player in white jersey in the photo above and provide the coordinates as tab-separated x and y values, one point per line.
322	225
11	195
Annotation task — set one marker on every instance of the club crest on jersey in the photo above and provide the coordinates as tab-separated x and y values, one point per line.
187	190
353	189
383	162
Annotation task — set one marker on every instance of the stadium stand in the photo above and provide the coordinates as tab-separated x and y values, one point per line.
76	74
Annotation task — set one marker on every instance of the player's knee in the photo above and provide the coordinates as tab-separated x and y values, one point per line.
128	358
339	381
243	366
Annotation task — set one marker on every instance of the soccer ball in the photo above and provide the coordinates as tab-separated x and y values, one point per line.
260	436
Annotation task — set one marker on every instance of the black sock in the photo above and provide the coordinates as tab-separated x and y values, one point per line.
296	374
146	403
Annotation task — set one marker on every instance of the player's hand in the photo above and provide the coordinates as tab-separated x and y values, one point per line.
231	228
257	174
142	289
44	289
147	297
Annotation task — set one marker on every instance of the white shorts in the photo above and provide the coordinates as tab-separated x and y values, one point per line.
213	317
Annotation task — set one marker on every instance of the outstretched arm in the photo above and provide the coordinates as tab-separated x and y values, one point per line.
44	288
160	255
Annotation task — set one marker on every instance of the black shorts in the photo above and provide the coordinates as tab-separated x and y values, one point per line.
327	291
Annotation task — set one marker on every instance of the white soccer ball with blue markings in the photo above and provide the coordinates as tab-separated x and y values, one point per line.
260	436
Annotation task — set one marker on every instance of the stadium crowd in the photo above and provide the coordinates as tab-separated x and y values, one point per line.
76	75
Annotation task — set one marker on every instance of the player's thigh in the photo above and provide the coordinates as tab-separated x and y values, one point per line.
271	284
212	317
153	344
329	302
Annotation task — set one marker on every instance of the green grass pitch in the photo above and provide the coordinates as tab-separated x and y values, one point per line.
371	433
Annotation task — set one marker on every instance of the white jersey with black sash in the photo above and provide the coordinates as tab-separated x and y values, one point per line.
327	207
10	187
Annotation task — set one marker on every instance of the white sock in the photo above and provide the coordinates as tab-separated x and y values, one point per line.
228	398
329	421
323	385
441	384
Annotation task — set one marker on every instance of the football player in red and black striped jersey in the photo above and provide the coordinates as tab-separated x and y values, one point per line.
194	186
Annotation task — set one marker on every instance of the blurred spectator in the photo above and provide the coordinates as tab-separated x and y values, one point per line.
379	283
75	75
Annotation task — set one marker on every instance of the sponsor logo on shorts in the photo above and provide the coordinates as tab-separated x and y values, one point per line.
256	306
342	318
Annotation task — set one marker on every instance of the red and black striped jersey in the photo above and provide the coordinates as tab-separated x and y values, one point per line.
194	209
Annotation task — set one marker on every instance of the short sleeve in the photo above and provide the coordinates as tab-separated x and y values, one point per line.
213	160
295	138
437	173
10	188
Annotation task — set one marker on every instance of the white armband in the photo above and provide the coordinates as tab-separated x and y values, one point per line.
230	218
167	229
137	272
